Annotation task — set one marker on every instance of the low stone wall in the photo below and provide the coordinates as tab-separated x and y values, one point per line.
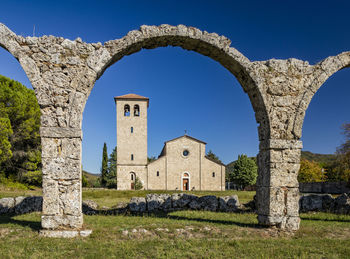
22	205
324	187
326	203
153	203
182	201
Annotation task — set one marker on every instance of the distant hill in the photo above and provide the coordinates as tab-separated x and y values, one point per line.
319	158
91	178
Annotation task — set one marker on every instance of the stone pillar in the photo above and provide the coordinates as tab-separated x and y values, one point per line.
62	191
277	184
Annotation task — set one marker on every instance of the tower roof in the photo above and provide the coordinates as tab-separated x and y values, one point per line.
132	97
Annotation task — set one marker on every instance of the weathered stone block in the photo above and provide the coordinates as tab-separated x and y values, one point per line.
7	205
158	202
137	204
209	202
61	147
61	168
28	204
61	221
70	198
228	203
278	174
181	200
57	132
51	199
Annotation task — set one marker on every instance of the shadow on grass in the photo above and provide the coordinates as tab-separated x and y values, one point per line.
34	225
323	219
215	221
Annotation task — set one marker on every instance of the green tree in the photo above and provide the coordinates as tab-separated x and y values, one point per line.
245	171
340	169
104	167
19	131
212	156
112	170
138	184
311	171
5	145
151	159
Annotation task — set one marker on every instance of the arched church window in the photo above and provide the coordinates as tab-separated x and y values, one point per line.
213	174
186	175
136	110
126	110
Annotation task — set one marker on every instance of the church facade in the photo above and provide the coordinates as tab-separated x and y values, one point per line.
182	164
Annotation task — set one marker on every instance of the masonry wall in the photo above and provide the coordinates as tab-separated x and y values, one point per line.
124	176
132	143
157	182
216	183
177	164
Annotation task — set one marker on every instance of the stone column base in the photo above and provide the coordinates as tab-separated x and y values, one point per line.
282	222
64	233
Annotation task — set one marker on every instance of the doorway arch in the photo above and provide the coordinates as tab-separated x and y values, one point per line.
185	181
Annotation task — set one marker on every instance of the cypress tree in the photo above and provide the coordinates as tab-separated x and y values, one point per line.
104	168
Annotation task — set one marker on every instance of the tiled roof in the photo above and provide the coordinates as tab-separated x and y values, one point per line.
132	97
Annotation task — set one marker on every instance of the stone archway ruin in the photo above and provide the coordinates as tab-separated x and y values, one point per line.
63	72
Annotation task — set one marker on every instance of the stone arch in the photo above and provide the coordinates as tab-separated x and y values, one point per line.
11	42
63	73
189	38
320	74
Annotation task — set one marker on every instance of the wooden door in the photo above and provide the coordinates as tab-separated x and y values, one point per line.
185	185
132	186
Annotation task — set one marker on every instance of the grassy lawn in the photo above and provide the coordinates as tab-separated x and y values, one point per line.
186	234
181	234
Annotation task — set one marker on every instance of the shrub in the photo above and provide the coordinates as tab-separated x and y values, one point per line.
138	184
33	178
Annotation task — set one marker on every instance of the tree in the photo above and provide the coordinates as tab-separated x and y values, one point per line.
340	169
20	147
245	171
212	156
138	184
151	159
311	171
112	170
5	145
104	167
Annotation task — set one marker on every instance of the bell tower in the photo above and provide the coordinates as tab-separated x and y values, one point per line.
131	140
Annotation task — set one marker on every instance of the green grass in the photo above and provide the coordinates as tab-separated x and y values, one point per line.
191	234
181	234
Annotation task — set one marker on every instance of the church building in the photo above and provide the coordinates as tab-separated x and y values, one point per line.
182	164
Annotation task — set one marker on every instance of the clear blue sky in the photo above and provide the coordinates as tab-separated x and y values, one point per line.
187	90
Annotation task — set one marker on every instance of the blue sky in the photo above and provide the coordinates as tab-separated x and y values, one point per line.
187	90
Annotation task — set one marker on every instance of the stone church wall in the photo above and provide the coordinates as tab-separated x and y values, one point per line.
157	182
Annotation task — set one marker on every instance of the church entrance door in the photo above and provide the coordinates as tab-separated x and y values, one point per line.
185	184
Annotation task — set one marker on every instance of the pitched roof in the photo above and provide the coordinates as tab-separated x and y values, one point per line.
220	163
163	153
186	136
132	97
